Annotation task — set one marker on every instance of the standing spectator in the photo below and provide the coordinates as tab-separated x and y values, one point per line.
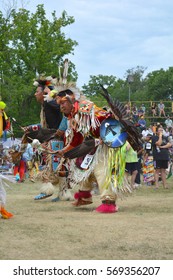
148	164
168	122
6	128
27	156
131	167
154	108
19	163
161	147
161	108
139	167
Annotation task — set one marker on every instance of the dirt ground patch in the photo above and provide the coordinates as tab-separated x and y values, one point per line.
45	230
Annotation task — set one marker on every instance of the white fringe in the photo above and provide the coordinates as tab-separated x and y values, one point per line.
47	188
2	196
77	175
3	184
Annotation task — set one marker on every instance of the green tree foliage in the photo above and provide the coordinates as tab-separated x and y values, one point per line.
31	44
155	86
137	85
159	85
117	88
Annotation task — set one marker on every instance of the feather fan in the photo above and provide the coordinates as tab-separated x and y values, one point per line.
43	135
88	146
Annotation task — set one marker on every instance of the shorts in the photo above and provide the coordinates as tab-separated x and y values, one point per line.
161	164
131	167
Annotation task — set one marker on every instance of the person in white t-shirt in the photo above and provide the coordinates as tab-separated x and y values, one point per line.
145	132
168	122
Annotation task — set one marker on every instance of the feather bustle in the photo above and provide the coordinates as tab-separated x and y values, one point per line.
119	111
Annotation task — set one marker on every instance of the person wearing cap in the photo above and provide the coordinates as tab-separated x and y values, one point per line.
142	123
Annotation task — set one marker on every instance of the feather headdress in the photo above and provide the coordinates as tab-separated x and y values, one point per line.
42	79
63	84
58	84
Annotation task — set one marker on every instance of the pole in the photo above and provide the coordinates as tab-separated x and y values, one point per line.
130	80
129	93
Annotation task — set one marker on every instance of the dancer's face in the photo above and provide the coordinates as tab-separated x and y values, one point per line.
39	94
66	107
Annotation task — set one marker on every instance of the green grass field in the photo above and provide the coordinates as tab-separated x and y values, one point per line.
43	230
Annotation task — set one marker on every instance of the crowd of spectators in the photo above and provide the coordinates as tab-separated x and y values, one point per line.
155	151
154	110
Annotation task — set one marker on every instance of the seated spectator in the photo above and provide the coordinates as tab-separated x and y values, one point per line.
143	108
161	108
128	108
145	132
142	123
140	112
166	132
150	129
154	128
171	131
168	122
154	109
161	126
135	113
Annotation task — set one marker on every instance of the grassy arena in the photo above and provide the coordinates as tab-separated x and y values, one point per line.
45	230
